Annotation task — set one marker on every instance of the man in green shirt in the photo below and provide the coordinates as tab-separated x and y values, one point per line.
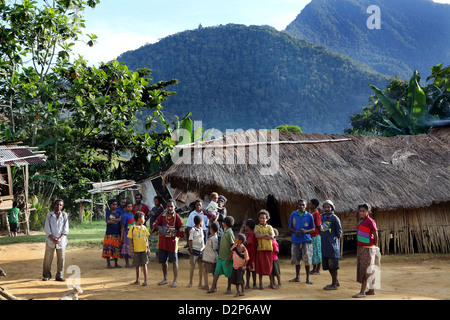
13	219
223	266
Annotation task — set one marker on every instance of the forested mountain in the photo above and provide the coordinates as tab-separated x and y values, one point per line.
413	34
236	76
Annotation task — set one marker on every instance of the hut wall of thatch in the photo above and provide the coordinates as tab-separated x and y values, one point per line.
406	180
415	230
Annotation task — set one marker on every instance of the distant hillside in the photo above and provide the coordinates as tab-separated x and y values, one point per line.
236	76
414	34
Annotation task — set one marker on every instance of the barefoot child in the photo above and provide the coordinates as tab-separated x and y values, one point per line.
127	222
239	256
138	235
276	272
226	242
196	246
210	253
264	235
250	244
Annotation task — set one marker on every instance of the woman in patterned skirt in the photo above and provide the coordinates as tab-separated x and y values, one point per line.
112	243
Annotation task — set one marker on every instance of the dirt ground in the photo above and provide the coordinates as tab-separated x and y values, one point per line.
417	277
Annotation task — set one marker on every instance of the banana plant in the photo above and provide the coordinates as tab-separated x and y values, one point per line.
406	119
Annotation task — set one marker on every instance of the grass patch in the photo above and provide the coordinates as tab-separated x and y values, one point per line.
80	235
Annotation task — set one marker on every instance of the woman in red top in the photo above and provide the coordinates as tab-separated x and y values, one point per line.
367	241
315	236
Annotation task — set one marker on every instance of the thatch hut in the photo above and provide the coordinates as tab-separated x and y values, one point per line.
405	179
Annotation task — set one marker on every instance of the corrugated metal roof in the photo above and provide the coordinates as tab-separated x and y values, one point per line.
19	156
112	186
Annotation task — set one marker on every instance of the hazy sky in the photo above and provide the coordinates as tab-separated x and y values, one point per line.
127	25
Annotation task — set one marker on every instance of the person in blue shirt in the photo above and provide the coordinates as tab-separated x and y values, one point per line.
301	224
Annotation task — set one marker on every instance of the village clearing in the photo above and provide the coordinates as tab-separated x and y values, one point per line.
403	277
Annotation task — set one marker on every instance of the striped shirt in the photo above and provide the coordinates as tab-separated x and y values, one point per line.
238	262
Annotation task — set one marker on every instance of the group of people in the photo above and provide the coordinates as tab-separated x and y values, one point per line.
215	249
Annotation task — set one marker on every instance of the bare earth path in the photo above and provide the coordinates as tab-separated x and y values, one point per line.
416	277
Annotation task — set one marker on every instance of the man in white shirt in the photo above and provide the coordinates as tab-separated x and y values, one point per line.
198	211
56	228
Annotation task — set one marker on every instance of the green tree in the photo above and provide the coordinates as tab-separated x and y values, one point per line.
289	128
84	117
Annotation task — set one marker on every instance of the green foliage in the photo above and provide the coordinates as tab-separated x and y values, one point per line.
289	128
84	117
413	34
405	107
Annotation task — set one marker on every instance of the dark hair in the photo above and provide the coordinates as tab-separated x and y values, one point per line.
173	201
138	214
364	205
302	200
197	219
112	201
14	204
250	223
160	199
229	220
315	202
214	226
58	200
240	236
198	200
263	211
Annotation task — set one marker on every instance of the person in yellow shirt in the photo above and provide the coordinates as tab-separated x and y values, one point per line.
264	235
138	235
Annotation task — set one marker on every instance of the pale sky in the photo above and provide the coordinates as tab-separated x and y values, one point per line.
127	25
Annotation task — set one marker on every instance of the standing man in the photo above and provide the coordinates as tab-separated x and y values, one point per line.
56	228
330	233
301	223
142	207
170	229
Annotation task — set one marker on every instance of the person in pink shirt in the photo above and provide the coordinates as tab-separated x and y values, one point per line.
276	272
367	241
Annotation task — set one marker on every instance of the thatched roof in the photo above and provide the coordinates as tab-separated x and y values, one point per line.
389	173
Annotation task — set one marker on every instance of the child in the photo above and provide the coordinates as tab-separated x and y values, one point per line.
127	222
239	256
226	242
210	253
13	219
196	246
111	242
264	235
213	206
250	244
138	237
276	272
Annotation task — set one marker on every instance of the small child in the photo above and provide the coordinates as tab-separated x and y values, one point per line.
225	244
210	253
276	272
127	223
138	235
264	235
196	246
13	219
239	256
250	244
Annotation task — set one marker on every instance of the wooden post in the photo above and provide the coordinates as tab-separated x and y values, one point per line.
6	295
81	211
27	208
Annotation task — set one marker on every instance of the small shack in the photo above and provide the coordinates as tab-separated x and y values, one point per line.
22	156
406	179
